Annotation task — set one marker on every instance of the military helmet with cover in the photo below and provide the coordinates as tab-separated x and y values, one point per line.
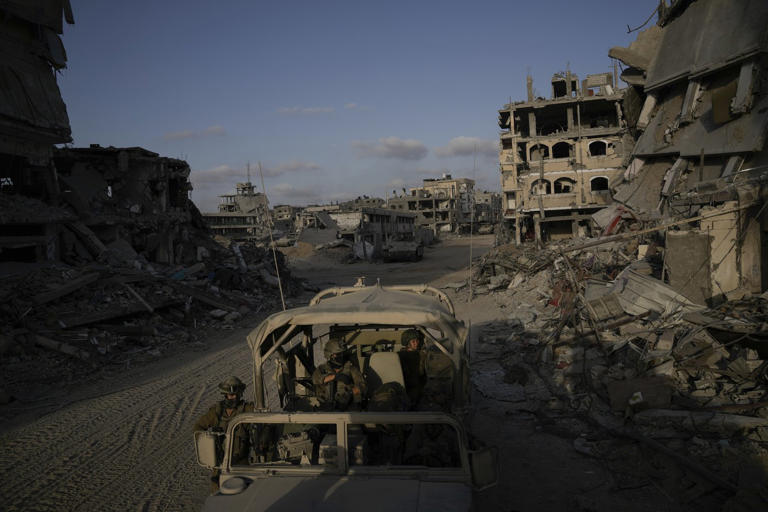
232	386
334	353
411	334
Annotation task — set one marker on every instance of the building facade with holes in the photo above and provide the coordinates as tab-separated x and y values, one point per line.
559	157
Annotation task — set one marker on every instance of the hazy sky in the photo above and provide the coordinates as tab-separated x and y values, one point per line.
335	98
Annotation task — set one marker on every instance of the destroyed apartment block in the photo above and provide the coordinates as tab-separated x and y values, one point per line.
129	200
444	205
656	329
702	116
372	233
560	157
487	212
242	216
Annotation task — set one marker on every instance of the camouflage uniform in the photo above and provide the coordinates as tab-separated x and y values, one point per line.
217	418
413	363
338	394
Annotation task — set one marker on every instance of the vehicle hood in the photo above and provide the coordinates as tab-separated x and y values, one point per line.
280	493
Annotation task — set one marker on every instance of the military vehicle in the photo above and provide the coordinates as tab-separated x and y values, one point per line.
293	453
402	246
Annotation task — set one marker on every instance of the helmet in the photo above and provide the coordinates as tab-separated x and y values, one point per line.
334	353
411	334
232	386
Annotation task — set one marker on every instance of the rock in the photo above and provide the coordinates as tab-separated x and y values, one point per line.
218	313
457	285
516	281
269	278
498	281
584	447
122	250
232	317
524	315
654	392
667	368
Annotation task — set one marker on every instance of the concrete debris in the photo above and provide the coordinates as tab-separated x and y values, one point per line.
637	357
114	264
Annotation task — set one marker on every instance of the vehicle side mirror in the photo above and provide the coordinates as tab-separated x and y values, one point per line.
207	448
484	465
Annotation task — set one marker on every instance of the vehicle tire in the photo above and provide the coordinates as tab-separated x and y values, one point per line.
418	254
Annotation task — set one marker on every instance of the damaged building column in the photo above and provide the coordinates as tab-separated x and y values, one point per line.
645	113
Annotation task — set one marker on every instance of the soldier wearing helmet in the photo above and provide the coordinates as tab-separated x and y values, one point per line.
412	360
338	383
221	413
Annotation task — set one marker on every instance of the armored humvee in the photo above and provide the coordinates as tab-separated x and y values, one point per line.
294	454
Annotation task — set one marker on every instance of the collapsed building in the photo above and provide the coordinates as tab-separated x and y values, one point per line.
243	215
33	117
442	204
560	157
650	336
371	233
487	211
104	259
699	101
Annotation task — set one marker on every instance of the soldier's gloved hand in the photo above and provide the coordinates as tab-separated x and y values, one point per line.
344	378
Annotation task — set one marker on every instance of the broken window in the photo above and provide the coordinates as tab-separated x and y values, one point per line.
561	150
541	187
564	185
597	148
552	119
522	154
539	152
504	120
522	127
598	184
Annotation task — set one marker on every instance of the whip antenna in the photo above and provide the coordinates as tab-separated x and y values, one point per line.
271	241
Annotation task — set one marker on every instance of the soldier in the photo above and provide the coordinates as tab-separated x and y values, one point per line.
339	385
412	360
219	415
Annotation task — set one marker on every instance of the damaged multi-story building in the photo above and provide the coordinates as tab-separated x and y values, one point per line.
129	197
559	157
487	211
33	117
698	103
243	215
442	204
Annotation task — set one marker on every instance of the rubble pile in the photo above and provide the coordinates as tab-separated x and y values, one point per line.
596	344
115	311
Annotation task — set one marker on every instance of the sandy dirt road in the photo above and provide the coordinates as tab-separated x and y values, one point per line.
126	445
125	442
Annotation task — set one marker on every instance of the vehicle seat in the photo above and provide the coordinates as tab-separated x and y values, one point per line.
383	367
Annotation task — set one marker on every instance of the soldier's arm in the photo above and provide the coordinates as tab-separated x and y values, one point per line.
360	385
207	420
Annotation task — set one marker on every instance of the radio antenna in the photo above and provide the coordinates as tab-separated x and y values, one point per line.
271	241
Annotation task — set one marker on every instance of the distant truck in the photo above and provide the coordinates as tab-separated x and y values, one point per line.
291	456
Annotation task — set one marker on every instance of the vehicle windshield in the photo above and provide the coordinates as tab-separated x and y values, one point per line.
284	445
315	446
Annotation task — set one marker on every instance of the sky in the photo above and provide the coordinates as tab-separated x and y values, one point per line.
334	99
